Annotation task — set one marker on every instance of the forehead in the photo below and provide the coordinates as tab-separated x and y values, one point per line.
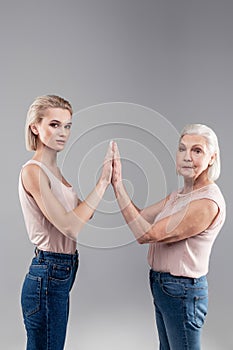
60	114
190	140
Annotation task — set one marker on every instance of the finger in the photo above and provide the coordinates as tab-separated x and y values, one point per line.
116	152
109	154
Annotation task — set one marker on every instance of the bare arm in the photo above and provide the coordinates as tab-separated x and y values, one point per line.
150	213
196	217
138	220
193	219
36	183
131	214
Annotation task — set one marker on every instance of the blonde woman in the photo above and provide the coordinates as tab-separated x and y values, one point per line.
180	231
53	216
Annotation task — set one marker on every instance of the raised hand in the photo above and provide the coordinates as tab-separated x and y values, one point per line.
106	175
117	171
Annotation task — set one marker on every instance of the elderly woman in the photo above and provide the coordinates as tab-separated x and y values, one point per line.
180	230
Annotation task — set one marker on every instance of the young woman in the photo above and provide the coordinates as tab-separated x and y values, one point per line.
181	230
53	216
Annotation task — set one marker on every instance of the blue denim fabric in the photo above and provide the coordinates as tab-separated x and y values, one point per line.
45	299
181	305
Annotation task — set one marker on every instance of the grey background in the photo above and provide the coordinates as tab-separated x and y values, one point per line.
172	56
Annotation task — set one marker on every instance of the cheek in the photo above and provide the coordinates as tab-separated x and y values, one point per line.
178	158
47	135
202	163
51	132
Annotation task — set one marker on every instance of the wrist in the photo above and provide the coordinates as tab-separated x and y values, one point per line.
102	184
118	186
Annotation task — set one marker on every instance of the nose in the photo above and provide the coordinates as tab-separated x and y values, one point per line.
187	156
62	131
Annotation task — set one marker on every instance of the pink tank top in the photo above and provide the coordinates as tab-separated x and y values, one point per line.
189	257
41	232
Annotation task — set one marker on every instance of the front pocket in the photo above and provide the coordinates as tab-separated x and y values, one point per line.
60	272
173	289
200	310
30	297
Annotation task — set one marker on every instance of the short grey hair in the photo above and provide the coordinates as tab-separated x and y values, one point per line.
212	144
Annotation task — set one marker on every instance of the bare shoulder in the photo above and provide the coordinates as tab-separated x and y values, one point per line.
32	178
30	172
207	205
203	210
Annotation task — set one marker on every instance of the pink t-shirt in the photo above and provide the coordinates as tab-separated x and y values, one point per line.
189	257
41	232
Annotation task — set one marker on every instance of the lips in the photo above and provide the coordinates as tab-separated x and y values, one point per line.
61	142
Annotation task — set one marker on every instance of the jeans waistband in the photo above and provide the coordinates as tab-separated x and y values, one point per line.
168	276
62	257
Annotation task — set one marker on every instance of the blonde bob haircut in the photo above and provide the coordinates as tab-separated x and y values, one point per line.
36	113
212	144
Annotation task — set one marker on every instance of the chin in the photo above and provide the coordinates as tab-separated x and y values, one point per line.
60	149
187	176
57	148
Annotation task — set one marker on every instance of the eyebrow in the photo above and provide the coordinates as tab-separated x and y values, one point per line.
58	122
196	145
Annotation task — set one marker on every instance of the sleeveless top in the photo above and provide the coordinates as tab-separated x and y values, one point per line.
41	232
188	257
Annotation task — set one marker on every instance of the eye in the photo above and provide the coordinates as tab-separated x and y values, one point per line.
54	125
197	150
68	126
181	149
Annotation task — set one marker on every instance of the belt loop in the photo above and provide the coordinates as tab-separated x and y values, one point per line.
39	254
159	277
36	251
75	257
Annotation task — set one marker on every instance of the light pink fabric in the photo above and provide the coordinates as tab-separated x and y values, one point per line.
189	257
41	232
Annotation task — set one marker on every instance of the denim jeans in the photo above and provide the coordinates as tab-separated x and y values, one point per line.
181	305
45	299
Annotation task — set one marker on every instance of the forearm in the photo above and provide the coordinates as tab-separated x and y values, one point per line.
85	210
138	225
67	222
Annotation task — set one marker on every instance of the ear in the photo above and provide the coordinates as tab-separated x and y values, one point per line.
212	159
34	129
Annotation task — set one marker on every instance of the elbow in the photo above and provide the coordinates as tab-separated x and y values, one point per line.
151	236
145	238
69	232
71	226
140	240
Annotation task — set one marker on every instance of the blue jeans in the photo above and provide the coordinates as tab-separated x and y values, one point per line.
45	299
181	305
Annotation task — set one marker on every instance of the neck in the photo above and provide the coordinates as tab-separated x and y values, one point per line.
194	184
46	156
